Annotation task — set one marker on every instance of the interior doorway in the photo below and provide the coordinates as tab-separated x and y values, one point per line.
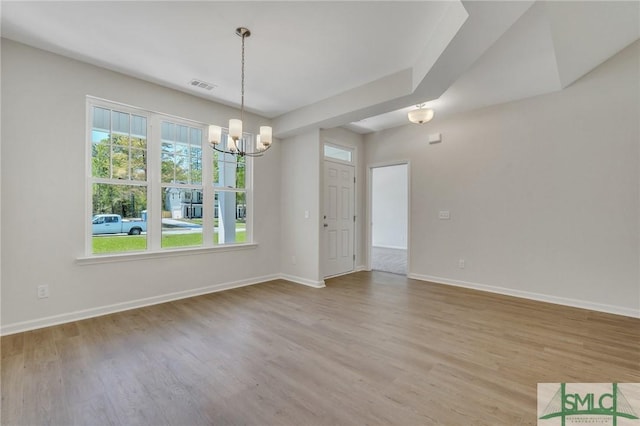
390	218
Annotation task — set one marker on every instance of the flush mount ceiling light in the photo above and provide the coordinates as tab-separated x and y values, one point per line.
421	115
236	143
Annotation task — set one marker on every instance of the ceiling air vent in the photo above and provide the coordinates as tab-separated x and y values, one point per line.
202	84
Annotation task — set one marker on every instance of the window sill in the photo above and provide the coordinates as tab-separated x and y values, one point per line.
127	257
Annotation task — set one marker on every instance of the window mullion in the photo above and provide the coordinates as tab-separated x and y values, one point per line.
154	195
248	186
207	193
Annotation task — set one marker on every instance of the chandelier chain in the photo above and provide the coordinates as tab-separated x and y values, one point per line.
242	82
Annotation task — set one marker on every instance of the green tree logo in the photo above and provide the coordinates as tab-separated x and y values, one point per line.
566	404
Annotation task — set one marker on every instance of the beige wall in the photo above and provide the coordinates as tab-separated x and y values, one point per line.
300	238
302	191
543	192
43	182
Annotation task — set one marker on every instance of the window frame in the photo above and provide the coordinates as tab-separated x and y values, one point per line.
155	186
338	147
225	189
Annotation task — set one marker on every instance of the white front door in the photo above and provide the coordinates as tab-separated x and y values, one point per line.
339	218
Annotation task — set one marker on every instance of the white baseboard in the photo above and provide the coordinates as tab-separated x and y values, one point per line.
389	247
139	303
125	306
361	268
576	303
303	281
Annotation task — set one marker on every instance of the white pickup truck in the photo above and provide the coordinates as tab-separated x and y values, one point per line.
114	224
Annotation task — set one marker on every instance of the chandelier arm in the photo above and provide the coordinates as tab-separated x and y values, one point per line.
218	149
252	154
258	153
241	153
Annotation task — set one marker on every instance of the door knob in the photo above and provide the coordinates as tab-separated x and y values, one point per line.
325	225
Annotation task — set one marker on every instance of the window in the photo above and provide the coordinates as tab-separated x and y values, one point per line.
156	185
119	177
181	185
230	197
338	153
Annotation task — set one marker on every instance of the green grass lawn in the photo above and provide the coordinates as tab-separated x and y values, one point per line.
125	243
119	243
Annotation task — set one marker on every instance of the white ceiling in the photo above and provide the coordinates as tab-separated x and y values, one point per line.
321	63
544	51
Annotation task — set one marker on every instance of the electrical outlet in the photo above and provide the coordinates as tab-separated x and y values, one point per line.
43	291
461	263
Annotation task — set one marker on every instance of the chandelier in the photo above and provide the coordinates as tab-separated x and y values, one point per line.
236	143
421	115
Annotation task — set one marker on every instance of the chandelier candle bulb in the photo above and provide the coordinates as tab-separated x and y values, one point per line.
215	132
235	128
265	135
231	145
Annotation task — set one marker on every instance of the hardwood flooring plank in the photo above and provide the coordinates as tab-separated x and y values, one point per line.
12	345
96	411
12	389
43	395
370	348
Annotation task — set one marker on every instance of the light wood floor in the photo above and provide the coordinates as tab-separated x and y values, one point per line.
371	348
